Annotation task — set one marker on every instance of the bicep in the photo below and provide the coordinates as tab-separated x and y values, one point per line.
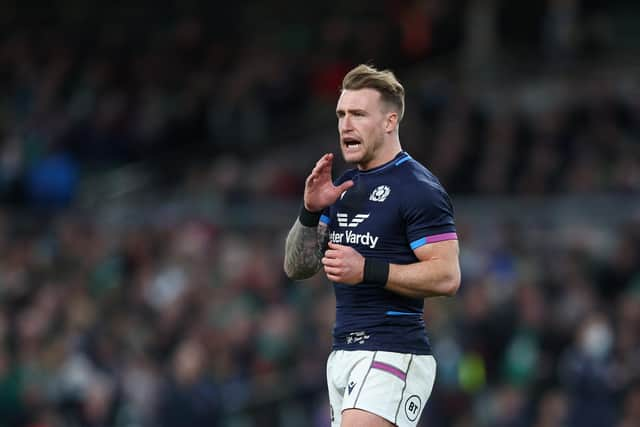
447	251
440	259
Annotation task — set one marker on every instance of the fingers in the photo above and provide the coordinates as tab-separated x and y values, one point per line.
345	186
342	264
336	251
334	271
323	163
334	257
322	167
333	277
333	267
331	262
340	273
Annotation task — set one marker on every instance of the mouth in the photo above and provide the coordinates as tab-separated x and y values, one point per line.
351	143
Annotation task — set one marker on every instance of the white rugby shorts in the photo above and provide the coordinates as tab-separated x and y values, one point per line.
394	386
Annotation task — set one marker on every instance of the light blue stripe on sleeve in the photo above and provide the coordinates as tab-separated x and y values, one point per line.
417	243
402	313
325	219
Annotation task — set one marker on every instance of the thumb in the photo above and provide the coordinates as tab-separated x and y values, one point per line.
334	245
345	186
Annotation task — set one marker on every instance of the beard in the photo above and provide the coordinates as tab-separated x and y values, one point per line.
361	154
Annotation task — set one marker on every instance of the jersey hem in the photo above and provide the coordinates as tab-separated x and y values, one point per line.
391	348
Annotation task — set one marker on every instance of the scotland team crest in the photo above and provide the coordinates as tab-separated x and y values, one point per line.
380	193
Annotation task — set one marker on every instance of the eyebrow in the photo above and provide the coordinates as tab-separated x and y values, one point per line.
351	110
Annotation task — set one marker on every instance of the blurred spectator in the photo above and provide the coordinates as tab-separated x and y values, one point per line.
587	374
631	408
190	398
552	410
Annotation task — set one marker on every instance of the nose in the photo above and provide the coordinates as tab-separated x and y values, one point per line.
345	124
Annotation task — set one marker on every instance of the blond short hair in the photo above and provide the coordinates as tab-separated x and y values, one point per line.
385	82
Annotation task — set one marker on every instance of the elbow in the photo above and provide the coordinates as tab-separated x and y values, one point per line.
290	272
452	288
289	268
287	272
452	284
294	273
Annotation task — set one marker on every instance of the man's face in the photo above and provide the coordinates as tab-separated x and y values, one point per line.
361	125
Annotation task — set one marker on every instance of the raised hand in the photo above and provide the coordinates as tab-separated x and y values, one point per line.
319	191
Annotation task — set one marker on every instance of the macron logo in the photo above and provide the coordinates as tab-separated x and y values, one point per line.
343	220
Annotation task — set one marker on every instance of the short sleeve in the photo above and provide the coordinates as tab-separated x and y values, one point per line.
325	216
429	218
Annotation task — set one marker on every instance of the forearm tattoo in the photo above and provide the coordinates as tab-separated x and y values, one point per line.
304	250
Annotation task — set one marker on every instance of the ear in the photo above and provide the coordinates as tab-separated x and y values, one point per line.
391	122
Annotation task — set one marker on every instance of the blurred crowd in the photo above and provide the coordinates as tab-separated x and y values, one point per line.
190	323
577	136
169	325
87	88
545	330
167	320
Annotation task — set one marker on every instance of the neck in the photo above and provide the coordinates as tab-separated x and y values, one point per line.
387	152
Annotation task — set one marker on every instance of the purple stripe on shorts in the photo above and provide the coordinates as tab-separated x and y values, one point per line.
390	369
442	237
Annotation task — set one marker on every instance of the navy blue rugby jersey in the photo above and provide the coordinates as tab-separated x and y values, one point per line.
390	211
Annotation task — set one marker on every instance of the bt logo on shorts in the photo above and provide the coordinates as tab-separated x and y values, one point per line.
412	407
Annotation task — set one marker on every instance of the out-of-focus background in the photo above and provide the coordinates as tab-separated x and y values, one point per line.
152	159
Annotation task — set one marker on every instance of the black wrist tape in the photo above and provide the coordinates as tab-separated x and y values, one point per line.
307	218
376	272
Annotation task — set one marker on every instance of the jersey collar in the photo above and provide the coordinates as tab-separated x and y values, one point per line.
400	158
